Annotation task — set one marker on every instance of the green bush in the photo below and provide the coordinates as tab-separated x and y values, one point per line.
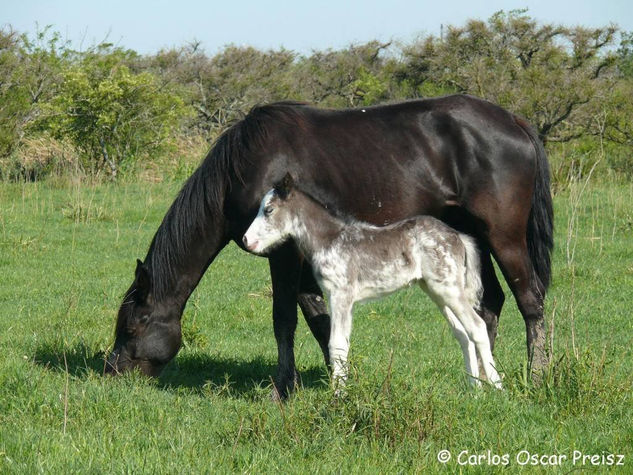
108	110
113	115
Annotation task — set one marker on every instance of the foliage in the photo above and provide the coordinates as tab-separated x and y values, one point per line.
110	113
112	109
546	73
344	78
13	98
625	54
29	73
222	88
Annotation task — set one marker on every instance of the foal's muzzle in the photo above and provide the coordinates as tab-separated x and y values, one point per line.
249	245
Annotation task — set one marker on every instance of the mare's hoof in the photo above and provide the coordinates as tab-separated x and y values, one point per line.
278	396
282	389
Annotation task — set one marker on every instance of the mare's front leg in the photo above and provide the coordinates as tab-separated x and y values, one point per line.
340	332
314	310
285	271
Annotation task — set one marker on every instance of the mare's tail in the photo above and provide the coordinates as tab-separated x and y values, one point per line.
540	230
474	288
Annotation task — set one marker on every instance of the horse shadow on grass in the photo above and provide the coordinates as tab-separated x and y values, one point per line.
235	376
196	372
77	360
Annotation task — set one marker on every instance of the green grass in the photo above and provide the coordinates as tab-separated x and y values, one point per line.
67	254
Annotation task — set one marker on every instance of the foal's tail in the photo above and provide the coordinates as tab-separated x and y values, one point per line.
473	287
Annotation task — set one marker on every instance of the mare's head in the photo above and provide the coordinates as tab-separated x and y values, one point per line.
148	333
273	224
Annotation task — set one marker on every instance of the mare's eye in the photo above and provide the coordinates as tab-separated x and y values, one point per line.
268	211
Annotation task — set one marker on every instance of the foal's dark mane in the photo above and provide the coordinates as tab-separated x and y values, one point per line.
334	211
197	210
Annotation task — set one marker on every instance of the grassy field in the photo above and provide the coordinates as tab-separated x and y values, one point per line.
67	255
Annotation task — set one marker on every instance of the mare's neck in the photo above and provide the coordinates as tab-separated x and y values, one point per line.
176	268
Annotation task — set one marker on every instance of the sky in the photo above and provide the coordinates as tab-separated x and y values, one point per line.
147	26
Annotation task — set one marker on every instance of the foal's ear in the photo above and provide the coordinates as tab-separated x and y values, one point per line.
284	186
142	281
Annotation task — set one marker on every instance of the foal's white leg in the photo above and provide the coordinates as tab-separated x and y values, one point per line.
476	329
452	295
468	346
340	331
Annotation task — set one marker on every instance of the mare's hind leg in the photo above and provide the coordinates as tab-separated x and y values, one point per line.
314	310
514	261
285	268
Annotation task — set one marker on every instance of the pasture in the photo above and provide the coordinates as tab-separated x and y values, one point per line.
67	255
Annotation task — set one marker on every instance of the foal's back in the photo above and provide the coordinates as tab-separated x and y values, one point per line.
381	260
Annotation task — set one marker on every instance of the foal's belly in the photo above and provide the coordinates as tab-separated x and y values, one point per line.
368	293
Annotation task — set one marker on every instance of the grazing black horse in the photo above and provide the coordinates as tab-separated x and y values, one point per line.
464	160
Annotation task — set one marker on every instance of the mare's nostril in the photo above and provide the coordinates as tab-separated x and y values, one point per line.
245	240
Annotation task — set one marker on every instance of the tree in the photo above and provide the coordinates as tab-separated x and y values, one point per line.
618	105
111	114
343	78
29	72
226	86
625	55
546	73
14	104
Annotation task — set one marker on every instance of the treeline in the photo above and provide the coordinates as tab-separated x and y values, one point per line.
110	111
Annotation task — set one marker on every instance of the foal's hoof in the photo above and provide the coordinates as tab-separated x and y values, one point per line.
340	394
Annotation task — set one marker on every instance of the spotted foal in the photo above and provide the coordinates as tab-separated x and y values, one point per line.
355	261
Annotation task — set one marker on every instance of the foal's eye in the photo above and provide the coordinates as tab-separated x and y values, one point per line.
268	211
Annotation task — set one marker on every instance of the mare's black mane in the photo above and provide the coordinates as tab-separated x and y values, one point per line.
199	205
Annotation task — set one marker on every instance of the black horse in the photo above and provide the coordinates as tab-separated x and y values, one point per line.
466	161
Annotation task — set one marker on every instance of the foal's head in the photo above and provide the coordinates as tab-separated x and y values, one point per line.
273	224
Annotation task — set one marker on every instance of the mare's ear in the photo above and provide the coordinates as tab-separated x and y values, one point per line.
142	281
284	186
